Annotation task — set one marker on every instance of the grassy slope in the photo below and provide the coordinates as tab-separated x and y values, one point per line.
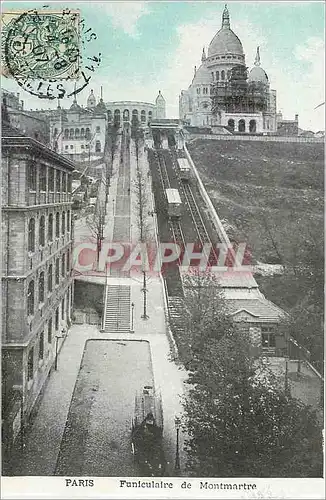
266	191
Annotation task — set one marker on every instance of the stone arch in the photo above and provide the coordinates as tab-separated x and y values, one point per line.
241	126
126	115
252	126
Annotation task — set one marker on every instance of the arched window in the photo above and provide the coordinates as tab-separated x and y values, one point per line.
82	132
150	114
41	287
66	133
68	221
217	75
126	115
231	124
57	225
222	74
50	227
98	146
143	116
30	299
252	126
242	126
87	133
77	133
50	278
229	74
71	133
109	116
57	271
213	75
98	129
63	265
42	231
117	117
31	235
31	173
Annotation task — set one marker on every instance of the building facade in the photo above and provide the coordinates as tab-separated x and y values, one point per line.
222	91
125	111
37	285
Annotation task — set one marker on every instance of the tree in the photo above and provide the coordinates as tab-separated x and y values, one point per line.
96	220
238	421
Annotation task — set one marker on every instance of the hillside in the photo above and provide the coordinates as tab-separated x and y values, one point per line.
271	195
265	191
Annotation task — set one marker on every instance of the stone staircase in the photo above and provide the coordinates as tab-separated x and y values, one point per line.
117	313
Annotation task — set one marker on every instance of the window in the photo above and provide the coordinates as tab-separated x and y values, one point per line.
58	179
63	265
30	364
87	146
31	176
63	308
252	126
41	346
77	133
82	132
57	271
98	129
68	221
63	224
51	179
268	336
66	133
87	133
66	146
50	278
55	132
242	126
143	116
41	288
57	318
43	178
217	75
229	74
50	227
222	74
31	235
42	231
231	124
71	133
212	75
57	225
50	331
82	146
98	146
30	299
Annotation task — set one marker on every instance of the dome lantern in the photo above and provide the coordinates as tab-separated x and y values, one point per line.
226	18
257	74
225	42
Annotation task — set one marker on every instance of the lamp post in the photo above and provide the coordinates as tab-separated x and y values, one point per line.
144	290
57	337
132	317
177	423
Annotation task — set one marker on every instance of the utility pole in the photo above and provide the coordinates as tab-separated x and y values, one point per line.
144	290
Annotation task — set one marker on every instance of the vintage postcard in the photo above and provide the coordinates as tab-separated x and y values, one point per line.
162	249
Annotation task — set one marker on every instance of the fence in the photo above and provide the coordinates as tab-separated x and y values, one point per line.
263	138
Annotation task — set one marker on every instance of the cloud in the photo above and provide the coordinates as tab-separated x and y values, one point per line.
125	15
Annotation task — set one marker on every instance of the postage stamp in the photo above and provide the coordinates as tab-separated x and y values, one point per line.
41	44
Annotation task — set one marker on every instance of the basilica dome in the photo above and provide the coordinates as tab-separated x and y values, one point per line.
257	74
225	41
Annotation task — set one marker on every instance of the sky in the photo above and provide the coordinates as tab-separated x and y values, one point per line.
150	46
